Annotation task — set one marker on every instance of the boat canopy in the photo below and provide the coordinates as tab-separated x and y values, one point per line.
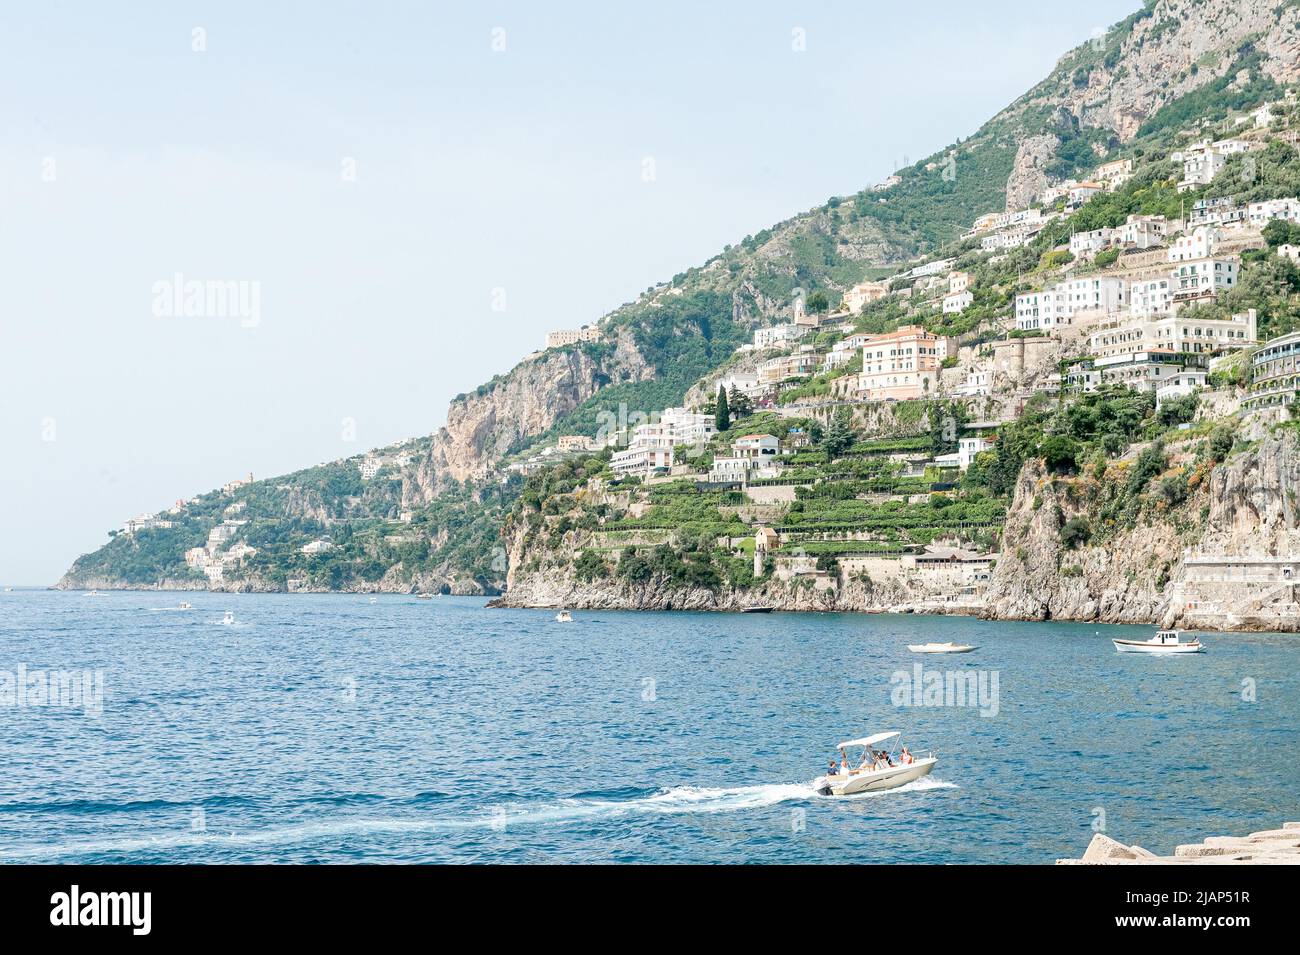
867	740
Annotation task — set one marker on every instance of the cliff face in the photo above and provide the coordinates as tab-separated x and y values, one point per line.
483	427
1246	509
1243	508
1115	82
1181	46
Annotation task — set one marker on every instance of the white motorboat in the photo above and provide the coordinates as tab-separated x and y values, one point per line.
92	593
882	765
185	605
948	647
564	617
229	618
1165	641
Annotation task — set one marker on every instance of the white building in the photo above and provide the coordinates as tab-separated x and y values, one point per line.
730	469
1200	168
370	465
1064	302
759	447
745	382
567	336
1259	214
777	335
1150	297
1223	212
967	449
1291	252
1131	333
1200	243
1205	278
1081	193
319	546
684	426
979	382
1180	384
955	303
1085	245
862	294
641	460
1114	174
1142	232
1009	239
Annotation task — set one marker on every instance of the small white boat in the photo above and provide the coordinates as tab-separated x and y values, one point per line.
92	593
880	766
564	617
229	618
374	600
948	647
1165	641
185	605
424	596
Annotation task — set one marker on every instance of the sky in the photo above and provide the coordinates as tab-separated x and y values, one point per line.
362	186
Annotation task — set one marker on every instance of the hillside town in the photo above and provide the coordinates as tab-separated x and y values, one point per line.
1135	305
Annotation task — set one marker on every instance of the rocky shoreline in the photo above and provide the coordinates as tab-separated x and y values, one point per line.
433	585
1269	847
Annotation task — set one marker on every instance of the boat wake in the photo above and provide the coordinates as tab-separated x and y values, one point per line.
679	800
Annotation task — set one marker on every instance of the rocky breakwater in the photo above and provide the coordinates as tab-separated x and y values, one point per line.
1269	847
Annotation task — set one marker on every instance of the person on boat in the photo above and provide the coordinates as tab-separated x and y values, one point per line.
844	764
906	758
830	770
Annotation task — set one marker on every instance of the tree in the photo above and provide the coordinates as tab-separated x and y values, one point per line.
722	415
1076	532
839	436
817	302
739	403
1060	453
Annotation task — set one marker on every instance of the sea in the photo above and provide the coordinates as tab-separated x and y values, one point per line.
343	728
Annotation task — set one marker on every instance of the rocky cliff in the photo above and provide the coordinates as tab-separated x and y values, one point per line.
501	416
1174	569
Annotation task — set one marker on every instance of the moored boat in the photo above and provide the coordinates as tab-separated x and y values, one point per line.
1165	641
948	647
564	617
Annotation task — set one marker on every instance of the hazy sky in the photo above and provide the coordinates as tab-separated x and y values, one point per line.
373	172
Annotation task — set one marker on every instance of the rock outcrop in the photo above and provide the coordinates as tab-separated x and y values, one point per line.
1269	847
484	426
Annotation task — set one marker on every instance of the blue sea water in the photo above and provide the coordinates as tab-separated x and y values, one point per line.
329	728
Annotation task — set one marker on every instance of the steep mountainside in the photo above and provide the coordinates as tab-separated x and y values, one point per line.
1173	62
1127	92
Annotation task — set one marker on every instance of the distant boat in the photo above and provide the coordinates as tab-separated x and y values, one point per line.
424	596
185	605
757	609
564	617
374	600
92	593
229	619
1165	641
948	647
